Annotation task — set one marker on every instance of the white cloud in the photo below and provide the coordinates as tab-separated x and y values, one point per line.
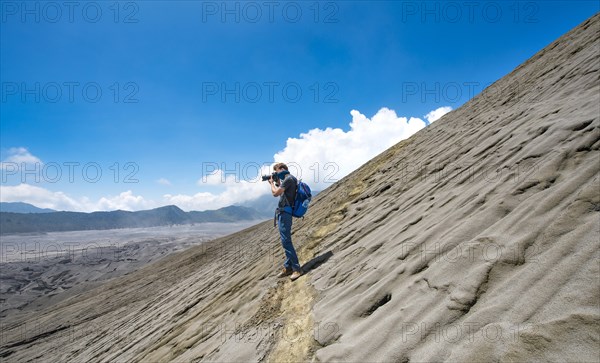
322	157
236	192
438	113
18	156
44	198
125	201
163	181
40	197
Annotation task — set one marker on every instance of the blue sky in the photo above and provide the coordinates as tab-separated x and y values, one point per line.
166	92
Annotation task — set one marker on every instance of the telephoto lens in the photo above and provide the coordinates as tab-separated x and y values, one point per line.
274	176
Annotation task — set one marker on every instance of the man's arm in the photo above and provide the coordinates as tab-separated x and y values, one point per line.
276	191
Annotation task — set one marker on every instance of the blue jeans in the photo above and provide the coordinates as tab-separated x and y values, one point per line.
284	220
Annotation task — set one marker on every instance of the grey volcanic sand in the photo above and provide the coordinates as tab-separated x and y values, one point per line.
37	270
477	239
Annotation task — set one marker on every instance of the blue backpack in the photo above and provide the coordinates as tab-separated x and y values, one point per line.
301	201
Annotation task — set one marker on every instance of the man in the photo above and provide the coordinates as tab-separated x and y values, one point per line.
286	192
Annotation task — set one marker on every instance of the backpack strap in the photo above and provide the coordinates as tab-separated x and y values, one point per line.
291	204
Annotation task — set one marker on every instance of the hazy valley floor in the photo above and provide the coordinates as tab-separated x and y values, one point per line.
39	270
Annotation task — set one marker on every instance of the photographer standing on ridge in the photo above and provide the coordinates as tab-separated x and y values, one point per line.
283	185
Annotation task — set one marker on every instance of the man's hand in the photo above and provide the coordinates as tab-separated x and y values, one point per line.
275	190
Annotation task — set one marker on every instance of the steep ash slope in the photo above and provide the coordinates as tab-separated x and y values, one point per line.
478	238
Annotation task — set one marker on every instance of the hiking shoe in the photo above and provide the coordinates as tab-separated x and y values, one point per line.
285	272
295	275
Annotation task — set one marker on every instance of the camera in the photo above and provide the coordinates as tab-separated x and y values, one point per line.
273	175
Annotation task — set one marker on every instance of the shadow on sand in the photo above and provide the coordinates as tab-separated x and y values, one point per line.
316	262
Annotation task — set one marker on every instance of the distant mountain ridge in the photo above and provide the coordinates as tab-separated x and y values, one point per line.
20	207
11	222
